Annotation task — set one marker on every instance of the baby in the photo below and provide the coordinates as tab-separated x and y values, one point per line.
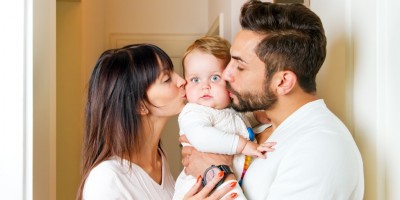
208	122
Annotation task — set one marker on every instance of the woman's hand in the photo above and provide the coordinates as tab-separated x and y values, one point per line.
197	193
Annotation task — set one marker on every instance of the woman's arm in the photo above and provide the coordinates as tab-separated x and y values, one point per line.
224	193
196	163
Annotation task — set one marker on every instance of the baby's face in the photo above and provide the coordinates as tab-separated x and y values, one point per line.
204	83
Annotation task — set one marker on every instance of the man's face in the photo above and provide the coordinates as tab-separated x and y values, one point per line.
246	75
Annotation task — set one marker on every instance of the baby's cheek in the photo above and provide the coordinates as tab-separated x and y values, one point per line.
191	96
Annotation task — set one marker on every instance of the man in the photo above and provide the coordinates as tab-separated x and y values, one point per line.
275	59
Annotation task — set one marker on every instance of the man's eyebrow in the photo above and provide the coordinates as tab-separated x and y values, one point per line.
238	58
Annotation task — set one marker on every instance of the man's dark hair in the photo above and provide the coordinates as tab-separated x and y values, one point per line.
294	39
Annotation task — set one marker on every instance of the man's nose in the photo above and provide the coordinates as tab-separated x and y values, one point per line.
227	74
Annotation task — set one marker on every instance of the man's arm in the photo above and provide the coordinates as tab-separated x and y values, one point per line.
196	163
323	166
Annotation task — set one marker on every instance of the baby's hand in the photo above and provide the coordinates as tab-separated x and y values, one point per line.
256	150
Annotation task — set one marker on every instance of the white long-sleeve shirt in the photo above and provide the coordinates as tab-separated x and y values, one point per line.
315	158
112	180
213	131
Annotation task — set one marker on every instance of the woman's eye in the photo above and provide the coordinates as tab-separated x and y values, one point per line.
166	80
195	80
215	78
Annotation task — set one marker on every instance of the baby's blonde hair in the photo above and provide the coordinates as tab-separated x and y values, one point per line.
213	45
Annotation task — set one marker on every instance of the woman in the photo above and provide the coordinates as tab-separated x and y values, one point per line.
133	91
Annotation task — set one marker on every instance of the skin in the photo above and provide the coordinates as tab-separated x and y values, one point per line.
155	115
245	67
167	98
203	74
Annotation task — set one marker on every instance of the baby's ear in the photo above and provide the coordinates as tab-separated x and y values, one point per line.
287	81
143	109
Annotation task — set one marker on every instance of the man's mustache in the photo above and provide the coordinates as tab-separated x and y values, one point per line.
230	89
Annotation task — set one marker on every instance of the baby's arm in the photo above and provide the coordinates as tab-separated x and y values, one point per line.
199	129
250	148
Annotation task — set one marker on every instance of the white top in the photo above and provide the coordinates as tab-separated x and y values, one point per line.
112	180
212	130
315	158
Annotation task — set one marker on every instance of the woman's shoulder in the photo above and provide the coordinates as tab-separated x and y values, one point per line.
103	180
107	169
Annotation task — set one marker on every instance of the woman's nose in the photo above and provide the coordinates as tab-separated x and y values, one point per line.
180	82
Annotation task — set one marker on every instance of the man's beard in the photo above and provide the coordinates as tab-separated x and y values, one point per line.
251	102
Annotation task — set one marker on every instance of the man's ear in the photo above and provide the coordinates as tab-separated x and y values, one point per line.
143	109
286	81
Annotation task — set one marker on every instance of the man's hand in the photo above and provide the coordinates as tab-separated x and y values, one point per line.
196	162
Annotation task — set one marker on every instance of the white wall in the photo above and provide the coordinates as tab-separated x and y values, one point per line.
333	81
231	11
16	100
28	105
44	99
376	95
156	16
388	84
215	7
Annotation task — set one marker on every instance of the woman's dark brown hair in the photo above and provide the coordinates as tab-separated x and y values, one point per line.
117	88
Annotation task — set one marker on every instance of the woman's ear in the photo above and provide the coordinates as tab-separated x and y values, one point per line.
143	109
287	81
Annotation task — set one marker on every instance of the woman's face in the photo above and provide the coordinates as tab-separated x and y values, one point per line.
167	95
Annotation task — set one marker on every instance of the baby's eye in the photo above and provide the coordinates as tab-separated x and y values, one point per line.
215	78
195	80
